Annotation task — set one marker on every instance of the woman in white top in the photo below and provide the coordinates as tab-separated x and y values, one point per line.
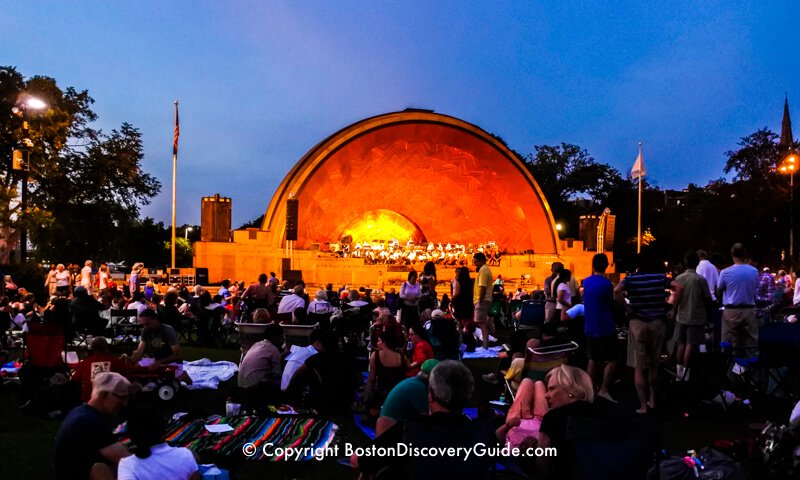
562	293
152	458
63	279
410	293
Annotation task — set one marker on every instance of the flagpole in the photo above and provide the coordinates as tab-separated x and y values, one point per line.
174	184
639	228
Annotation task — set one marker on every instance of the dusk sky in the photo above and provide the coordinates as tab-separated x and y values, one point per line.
261	82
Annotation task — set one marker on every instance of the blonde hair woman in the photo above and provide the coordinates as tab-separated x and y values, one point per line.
566	385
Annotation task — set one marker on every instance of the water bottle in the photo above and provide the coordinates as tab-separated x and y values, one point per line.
503	397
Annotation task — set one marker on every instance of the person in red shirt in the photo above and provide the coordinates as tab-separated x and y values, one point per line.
98	362
418	336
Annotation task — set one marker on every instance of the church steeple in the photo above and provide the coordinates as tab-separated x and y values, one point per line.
787	140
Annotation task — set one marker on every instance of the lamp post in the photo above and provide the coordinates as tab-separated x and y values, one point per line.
186	233
23	105
787	167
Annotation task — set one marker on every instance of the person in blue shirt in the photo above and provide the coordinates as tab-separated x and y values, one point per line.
599	326
737	287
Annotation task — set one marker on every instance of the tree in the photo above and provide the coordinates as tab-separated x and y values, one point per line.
86	186
757	158
567	171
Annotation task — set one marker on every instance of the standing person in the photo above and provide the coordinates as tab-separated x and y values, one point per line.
63	280
599	326
258	295
50	280
87	277
482	297
85	442
410	293
134	282
563	293
427	283
737	286
549	292
103	277
647	300
463	306
691	315
709	272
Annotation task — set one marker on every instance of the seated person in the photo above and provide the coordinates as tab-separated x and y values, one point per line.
320	303
327	380
444	337
450	388
422	351
299	355
168	311
260	371
99	361
152	456
86	313
57	311
292	302
159	342
85	442
408	399
387	367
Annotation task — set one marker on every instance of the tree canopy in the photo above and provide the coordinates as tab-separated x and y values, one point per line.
86	186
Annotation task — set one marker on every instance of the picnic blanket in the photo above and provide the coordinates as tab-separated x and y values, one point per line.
295	432
207	374
480	352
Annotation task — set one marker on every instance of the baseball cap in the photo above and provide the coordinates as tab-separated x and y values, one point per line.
437	313
427	365
111	382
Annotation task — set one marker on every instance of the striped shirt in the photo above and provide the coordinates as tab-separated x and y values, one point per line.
647	295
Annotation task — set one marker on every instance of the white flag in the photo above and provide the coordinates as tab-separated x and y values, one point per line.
638	169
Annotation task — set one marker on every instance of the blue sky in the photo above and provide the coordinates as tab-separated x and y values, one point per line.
261	82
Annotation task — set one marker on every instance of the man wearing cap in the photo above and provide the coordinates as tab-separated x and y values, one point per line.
407	399
85	444
159	341
482	296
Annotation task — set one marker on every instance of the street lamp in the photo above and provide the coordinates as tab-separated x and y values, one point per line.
186	233
24	104
788	166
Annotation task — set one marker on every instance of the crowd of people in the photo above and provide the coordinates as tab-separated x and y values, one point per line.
417	383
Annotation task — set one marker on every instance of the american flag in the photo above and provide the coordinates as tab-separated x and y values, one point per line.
177	131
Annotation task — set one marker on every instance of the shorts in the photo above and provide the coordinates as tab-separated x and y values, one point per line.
603	349
689	334
481	312
740	328
645	341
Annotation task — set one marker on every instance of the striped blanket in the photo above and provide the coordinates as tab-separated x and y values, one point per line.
295	432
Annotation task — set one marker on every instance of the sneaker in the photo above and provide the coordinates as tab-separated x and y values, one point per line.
490	378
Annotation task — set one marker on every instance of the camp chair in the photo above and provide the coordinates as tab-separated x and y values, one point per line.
613	448
540	360
771	371
532	316
44	353
123	326
298	334
323	319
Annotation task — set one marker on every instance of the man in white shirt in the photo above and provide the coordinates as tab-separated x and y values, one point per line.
707	270
292	302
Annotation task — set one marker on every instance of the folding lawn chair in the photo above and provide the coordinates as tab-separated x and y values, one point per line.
123	326
298	334
532	316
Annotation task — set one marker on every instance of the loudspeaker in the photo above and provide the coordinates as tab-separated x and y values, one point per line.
293	276
291	219
201	276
